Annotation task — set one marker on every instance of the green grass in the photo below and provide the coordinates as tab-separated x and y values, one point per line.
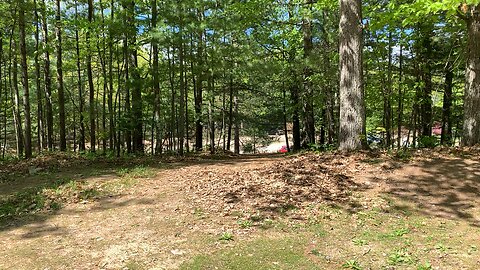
285	253
52	195
335	239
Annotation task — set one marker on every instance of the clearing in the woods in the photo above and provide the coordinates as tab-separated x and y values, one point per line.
309	211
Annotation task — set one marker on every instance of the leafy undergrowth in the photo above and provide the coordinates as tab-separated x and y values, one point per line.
54	195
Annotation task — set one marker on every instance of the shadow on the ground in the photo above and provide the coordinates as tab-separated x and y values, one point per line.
442	187
22	195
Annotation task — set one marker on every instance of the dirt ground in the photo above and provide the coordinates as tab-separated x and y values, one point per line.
178	210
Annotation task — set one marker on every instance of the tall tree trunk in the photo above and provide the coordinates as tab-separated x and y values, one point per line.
471	123
327	92
230	113
48	79
111	111
103	59
17	119
2	105
40	133
81	143
210	113
181	115
61	94
199	95
171	74
294	93
137	106
156	83
308	97
426	74
285	122
91	88
387	102
26	90
446	136
352	107
236	137
400	98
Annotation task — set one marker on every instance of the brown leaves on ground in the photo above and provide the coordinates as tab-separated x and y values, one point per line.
273	189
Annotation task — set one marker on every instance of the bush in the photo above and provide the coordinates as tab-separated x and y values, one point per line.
427	142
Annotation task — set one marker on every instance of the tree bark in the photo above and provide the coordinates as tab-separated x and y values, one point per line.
17	119
111	111
48	80
236	136
446	136
308	96
387	99
294	93
199	96
471	123
26	90
400	99
328	93
230	114
137	106
426	51
156	83
103	60
81	143
91	88
181	115
40	131
61	94
352	107
210	113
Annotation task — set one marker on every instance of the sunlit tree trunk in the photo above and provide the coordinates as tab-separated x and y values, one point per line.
17	119
471	123
91	88
352	107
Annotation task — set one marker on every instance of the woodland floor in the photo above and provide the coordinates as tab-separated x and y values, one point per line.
308	211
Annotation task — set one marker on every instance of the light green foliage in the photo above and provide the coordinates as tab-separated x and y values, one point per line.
352	264
226	236
400	257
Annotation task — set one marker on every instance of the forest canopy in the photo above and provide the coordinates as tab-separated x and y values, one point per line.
152	76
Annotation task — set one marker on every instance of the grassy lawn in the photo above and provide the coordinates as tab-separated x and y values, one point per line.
368	239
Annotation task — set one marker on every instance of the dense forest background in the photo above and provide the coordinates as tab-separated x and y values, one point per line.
139	76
